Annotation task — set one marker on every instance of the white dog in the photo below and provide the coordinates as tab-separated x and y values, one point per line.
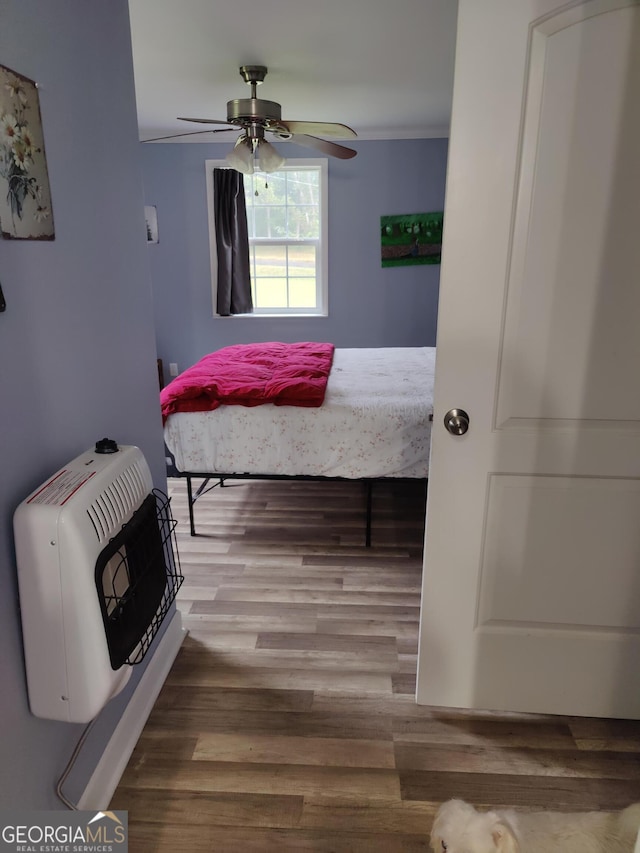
459	828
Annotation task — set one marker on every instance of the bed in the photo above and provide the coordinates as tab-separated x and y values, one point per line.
374	423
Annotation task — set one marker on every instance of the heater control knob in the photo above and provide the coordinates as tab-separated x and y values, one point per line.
106	445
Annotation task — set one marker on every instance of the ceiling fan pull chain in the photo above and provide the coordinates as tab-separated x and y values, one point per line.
266	186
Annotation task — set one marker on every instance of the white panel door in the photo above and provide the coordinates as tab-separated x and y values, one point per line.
531	594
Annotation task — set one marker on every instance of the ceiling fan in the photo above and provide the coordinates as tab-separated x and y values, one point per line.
252	152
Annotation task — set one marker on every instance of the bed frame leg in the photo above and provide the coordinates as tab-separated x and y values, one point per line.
190	501
369	508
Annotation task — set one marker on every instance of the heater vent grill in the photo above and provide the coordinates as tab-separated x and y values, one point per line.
111	509
137	578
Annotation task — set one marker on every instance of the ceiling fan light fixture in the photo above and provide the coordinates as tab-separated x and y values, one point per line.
269	159
240	157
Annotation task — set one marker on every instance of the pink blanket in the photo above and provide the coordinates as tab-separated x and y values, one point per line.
250	375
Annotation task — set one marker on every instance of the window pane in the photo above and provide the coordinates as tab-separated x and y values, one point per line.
304	222
277	221
270	260
263	189
270	292
302	260
271	188
304	187
260	222
302	292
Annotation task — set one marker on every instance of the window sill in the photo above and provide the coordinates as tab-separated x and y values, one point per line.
268	316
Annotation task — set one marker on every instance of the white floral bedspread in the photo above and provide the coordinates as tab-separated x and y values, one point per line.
374	422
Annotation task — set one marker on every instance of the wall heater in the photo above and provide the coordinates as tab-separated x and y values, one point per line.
98	569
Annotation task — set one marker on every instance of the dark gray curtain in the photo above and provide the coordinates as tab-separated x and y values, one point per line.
232	242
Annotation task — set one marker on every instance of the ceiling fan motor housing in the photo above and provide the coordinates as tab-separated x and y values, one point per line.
253	110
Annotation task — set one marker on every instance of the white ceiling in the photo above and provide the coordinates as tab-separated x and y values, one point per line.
383	67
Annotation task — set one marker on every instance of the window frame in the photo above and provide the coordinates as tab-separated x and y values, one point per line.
322	270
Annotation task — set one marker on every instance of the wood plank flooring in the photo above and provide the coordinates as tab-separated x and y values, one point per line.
288	721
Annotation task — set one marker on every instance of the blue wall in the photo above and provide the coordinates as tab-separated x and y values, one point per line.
368	306
77	348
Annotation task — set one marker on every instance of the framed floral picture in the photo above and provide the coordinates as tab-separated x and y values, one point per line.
25	197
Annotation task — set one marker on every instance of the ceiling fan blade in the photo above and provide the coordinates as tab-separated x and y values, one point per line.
326	128
205	121
325	146
188	133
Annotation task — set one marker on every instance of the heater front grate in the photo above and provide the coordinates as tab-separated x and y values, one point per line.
137	579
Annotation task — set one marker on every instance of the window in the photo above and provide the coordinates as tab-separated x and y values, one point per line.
286	217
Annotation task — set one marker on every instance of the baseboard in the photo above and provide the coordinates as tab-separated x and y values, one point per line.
104	779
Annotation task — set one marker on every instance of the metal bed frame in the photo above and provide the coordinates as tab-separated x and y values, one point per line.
204	488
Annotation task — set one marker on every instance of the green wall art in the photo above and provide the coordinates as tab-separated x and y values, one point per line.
412	238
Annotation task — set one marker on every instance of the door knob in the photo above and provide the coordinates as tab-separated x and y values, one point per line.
456	421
